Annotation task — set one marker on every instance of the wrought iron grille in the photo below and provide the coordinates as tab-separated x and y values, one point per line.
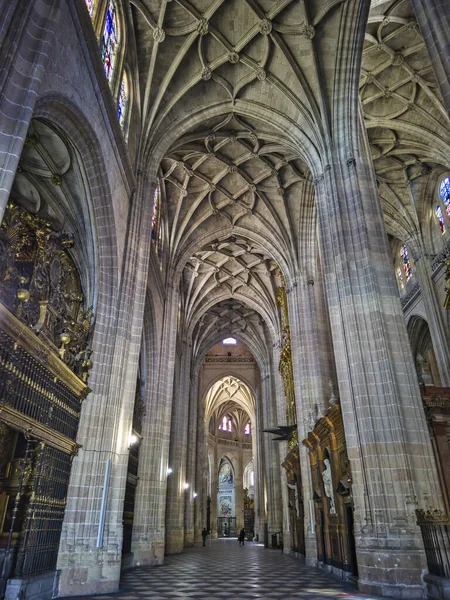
435	528
38	551
32	389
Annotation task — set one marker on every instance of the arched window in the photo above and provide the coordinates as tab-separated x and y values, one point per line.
400	278
122	102
407	270
440	218
226	424
155	215
110	41
444	192
91	6
248	429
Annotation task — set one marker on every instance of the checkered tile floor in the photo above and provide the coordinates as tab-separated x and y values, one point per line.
226	571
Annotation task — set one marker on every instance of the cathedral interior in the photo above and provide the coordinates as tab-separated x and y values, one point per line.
224	288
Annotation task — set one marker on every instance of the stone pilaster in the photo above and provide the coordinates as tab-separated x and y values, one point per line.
86	563
192	457
148	541
201	466
271	464
433	17
214	488
388	444
177	492
239	491
311	361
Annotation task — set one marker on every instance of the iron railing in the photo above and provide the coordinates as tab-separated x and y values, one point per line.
435	528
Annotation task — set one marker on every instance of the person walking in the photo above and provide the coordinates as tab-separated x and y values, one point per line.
204	535
242	537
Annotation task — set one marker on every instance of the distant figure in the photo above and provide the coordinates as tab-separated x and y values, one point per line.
204	535
225	530
241	537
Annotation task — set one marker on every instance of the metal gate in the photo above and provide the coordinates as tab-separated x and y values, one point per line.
226	527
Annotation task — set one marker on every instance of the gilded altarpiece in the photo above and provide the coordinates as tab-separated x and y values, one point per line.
44	365
332	485
292	461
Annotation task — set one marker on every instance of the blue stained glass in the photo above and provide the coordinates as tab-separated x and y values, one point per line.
406	264
444	192
440	218
122	103
110	42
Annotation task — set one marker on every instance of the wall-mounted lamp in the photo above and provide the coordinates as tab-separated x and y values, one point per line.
134	439
169	471
186	486
195	494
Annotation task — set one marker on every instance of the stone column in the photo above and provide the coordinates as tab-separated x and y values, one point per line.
388	443
192	457
256	467
149	516
239	489
214	488
88	564
200	462
433	17
177	493
27	32
257	434
312	353
271	458
283	450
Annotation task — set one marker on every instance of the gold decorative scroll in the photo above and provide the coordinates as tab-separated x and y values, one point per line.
285	365
35	346
40	284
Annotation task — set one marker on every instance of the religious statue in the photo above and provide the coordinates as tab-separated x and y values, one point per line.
297	504
311	421
328	485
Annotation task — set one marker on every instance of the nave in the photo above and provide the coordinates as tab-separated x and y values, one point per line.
223	570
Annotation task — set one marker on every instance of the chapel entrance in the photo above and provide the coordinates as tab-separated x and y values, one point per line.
226	527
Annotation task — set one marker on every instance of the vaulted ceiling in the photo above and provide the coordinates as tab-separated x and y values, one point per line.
408	126
231	397
238	93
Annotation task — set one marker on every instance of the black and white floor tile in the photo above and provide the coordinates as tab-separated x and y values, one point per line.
225	571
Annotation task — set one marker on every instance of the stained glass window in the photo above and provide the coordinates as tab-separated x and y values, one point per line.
91	7
110	41
444	192
400	278
122	102
407	270
226	424
440	218
155	215
248	429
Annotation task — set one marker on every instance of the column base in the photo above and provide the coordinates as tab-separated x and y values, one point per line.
148	555
438	588
175	542
88	573
311	551
391	572
188	538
